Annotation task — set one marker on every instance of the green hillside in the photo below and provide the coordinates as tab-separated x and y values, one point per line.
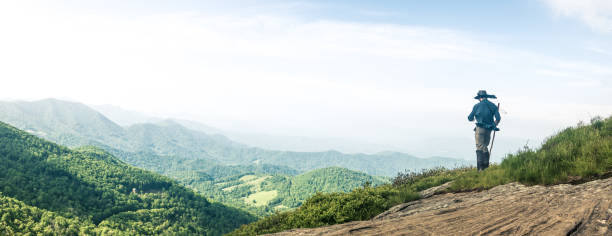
263	194
576	154
89	185
329	180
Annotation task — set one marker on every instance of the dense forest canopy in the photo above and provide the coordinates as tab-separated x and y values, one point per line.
92	187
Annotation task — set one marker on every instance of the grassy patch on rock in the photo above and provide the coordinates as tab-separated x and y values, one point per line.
576	154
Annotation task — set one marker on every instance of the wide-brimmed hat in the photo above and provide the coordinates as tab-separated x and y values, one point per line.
483	94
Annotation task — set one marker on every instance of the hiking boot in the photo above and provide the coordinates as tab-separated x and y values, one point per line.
479	160
485	160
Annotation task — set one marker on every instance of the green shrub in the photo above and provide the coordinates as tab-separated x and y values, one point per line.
578	153
333	208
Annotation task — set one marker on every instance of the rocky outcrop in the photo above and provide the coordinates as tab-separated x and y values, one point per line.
511	209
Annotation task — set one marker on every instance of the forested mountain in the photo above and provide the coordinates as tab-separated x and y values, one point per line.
263	194
75	124
86	190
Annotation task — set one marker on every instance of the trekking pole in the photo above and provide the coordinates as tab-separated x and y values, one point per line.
493	140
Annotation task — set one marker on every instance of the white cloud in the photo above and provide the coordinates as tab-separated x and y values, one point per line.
213	55
599	50
284	74
597	14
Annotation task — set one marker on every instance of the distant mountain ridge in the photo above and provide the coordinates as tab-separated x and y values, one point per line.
75	124
123	117
69	123
294	143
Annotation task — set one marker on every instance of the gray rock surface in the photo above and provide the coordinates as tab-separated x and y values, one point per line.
511	209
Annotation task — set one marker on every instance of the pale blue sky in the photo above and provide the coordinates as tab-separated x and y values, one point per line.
395	73
524	23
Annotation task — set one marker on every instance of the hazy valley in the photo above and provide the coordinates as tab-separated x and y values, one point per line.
257	180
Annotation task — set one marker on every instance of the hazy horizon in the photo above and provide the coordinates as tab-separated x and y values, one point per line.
300	143
395	76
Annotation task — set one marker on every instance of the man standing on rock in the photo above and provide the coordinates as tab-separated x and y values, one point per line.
484	112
